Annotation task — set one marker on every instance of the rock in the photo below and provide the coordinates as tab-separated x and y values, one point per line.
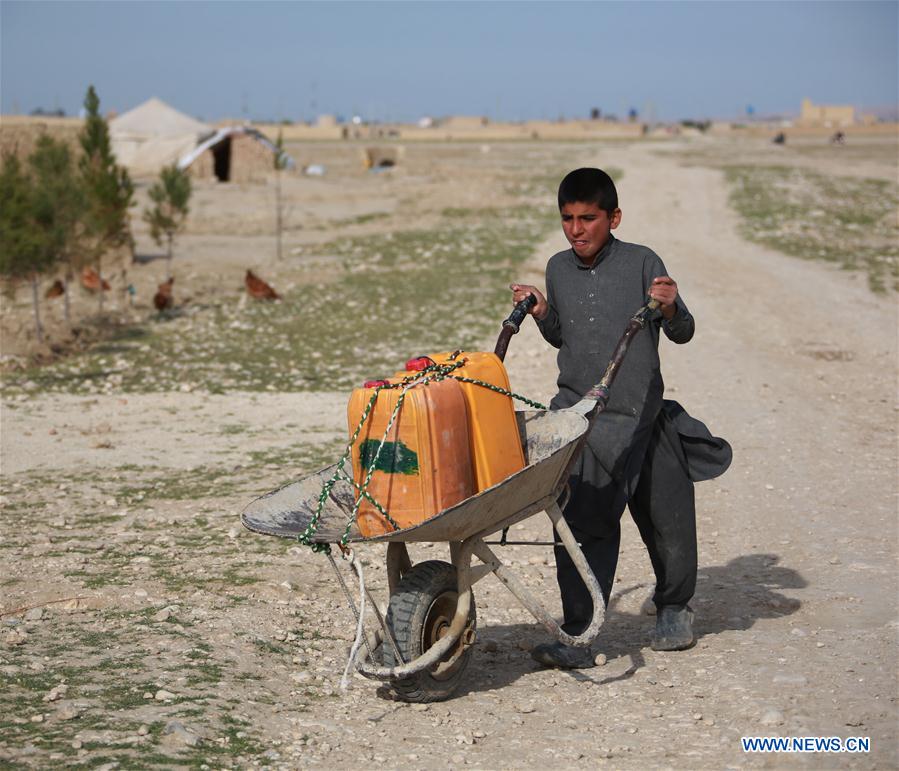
491	646
600	659
790	679
15	637
57	692
35	614
772	717
178	733
526	709
68	711
164	695
143	730
301	677
164	614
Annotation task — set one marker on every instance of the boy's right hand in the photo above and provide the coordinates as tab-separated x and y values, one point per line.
521	291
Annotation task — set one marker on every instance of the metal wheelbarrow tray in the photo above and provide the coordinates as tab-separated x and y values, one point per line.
430	625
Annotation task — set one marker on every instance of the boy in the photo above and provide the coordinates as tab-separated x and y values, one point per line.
633	454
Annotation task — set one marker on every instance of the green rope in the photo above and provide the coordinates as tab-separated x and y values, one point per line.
426	376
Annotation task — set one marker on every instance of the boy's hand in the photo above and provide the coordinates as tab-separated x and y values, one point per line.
521	291
664	290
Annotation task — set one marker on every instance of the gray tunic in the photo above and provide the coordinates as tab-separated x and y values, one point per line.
589	308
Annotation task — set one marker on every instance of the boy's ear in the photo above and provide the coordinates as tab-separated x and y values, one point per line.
616	219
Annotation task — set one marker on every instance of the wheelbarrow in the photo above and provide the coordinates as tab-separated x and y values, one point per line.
425	641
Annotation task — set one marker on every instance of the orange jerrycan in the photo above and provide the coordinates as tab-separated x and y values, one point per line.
425	463
493	431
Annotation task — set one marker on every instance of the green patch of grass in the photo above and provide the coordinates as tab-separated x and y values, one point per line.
266	646
844	220
234	428
361	219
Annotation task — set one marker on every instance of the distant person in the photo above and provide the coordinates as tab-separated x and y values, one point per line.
634	455
780	138
839	138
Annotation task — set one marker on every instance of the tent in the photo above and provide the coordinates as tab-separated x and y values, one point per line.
154	135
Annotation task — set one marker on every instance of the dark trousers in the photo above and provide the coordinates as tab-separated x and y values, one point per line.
663	508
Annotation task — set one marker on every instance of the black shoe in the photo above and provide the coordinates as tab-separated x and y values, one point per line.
563	656
674	628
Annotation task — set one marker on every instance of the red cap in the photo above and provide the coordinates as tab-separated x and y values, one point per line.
375	383
419	363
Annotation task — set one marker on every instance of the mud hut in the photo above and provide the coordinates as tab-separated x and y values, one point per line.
233	154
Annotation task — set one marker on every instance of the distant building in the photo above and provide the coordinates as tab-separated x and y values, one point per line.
233	154
826	114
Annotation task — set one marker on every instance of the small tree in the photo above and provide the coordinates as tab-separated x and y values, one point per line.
58	208
280	165
23	252
170	194
108	188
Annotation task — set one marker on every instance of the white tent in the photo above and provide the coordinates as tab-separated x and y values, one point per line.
154	135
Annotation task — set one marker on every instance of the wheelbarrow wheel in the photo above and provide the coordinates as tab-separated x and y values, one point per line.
420	612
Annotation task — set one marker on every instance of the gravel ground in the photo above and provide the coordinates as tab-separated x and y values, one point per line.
142	626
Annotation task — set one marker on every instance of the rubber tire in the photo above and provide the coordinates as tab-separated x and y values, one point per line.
410	616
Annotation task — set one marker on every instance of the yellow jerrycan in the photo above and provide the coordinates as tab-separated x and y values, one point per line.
425	464
492	429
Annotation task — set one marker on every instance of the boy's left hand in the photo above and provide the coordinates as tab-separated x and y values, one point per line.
664	291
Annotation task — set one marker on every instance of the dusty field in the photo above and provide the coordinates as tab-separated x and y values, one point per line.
143	627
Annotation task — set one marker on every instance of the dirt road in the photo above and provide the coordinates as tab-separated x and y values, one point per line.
225	648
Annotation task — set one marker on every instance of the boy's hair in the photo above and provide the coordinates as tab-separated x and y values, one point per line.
589	186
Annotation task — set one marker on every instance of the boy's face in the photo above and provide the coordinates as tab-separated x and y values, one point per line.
587	228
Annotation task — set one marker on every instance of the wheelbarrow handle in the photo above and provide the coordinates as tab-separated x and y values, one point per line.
599	394
512	324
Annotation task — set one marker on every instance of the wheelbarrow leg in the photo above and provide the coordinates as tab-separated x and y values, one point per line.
530	602
584	571
398	563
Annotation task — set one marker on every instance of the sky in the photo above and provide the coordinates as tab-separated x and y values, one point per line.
399	61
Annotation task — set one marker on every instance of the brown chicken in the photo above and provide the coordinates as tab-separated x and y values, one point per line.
91	281
163	298
258	288
56	290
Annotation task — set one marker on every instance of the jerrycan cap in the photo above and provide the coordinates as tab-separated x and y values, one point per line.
419	363
375	383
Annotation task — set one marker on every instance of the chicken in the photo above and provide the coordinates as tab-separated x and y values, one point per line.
163	298
258	288
56	290
91	281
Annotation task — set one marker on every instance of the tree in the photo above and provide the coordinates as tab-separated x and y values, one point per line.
23	253
58	208
108	188
280	165
170	194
